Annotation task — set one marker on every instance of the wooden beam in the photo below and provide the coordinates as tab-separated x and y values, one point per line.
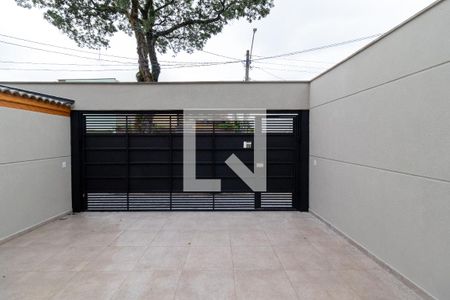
19	102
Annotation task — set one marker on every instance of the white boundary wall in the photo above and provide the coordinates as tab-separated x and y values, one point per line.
380	149
177	96
34	187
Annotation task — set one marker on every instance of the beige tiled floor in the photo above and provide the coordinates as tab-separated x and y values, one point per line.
191	255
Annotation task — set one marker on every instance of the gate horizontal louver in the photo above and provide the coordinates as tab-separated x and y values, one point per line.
192	201
226	201
107	201
149	201
276	200
134	161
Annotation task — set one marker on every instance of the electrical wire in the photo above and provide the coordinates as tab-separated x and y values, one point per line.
319	48
106	60
304	70
270	73
62	64
101	70
65	48
96	53
58	52
66	70
173	65
300	60
219	55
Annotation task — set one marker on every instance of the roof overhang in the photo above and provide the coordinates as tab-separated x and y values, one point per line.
32	101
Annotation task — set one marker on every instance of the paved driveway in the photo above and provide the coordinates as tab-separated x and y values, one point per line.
191	255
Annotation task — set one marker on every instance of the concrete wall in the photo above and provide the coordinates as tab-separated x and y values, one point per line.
34	187
380	149
166	96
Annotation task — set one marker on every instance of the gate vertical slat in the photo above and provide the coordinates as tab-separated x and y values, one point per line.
171	160
214	160
84	159
128	161
298	137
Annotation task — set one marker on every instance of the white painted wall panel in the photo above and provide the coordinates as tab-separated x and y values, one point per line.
34	186
402	126
380	135
401	219
27	135
167	96
33	192
418	45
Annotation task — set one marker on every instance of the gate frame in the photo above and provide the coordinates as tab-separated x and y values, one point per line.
300	201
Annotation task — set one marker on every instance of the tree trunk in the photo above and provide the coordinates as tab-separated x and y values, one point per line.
151	49
144	71
144	74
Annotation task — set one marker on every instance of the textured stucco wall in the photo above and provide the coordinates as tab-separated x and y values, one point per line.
178	96
34	187
380	149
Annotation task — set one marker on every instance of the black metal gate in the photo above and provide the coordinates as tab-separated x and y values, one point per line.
133	161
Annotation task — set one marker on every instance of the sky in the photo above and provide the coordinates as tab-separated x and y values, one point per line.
292	26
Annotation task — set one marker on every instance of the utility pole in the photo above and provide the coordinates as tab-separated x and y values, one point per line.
248	57
247	66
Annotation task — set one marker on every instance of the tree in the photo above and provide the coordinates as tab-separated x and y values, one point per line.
157	25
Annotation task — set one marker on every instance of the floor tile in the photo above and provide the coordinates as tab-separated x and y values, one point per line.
163	258
152	225
174	238
209	258
255	258
211	238
320	285
207	285
33	285
70	259
286	238
25	258
92	285
134	238
263	284
302	258
115	258
159	285
244	237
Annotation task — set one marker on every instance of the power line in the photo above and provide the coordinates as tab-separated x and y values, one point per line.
61	64
300	60
219	55
102	70
103	65
65	48
58	52
106	60
176	65
130	64
270	73
265	62
208	52
292	70
65	70
288	65
319	48
95	53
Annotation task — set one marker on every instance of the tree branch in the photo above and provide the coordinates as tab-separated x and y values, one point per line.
165	5
147	6
190	22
